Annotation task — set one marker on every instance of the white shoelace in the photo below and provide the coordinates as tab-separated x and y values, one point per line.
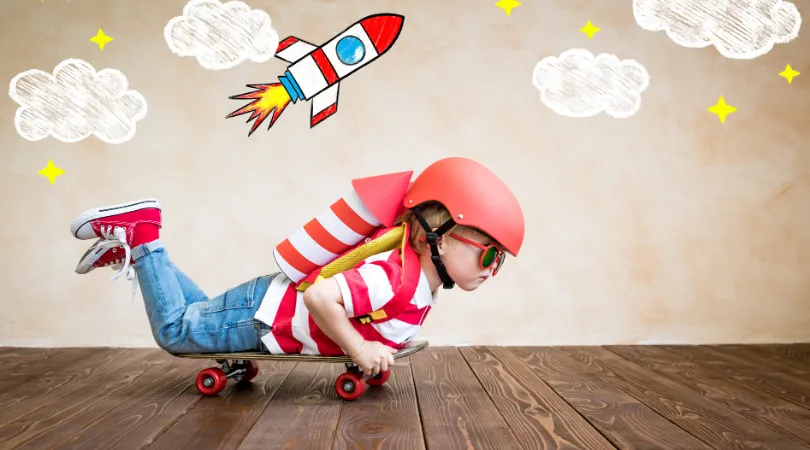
117	237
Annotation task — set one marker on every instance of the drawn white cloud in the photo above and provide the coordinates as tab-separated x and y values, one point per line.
739	29
75	102
579	84
222	36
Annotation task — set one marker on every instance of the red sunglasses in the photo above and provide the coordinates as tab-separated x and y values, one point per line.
491	257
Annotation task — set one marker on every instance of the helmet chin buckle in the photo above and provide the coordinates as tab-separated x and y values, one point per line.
433	241
431	237
437	261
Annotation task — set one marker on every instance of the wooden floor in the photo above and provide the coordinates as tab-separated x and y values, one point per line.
662	397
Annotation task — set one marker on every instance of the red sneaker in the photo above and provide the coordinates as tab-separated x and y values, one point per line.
112	254
102	222
117	228
99	255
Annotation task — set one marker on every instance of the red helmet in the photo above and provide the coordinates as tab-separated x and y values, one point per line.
474	196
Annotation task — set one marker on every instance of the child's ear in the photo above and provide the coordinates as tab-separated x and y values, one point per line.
442	244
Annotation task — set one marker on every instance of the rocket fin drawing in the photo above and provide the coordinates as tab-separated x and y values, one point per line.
315	72
324	105
291	49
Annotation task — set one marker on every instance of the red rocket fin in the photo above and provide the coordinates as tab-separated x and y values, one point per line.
291	49
324	104
383	194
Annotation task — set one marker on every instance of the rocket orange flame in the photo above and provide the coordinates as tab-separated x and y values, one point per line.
266	98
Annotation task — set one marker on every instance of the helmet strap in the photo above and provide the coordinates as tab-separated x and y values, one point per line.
432	239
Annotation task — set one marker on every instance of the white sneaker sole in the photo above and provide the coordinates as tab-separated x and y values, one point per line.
80	226
89	258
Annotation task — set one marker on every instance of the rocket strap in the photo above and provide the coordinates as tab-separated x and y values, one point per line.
387	240
411	270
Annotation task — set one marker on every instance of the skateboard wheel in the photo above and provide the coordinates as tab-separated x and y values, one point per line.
350	386
379	379
211	381
252	369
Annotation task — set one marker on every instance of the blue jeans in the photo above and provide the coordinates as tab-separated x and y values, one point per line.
185	320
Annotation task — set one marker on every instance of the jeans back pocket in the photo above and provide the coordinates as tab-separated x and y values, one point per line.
242	296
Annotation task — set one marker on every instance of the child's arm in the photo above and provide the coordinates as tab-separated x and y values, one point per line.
325	303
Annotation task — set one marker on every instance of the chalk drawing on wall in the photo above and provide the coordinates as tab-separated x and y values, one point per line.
579	84
101	39
739	29
590	29
722	109
221	35
75	102
51	172
789	74
315	72
507	5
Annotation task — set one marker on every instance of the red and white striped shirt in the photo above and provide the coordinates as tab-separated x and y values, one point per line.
365	288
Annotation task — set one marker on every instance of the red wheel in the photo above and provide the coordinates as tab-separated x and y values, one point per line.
252	369
211	381
380	379
350	386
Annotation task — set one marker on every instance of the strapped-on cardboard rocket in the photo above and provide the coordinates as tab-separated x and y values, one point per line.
373	202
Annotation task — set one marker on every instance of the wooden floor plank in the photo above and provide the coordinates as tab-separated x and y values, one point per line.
60	420
303	413
534	412
791	388
30	366
36	361
384	417
625	421
778	359
711	423
797	352
456	411
222	421
779	415
58	382
137	421
9	356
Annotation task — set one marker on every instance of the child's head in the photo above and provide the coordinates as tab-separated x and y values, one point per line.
470	256
463	219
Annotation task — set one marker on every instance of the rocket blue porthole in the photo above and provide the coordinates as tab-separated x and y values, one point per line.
350	50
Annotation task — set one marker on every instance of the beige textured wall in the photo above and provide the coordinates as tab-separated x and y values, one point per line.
664	227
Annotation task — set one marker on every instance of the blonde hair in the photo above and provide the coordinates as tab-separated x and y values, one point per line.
434	213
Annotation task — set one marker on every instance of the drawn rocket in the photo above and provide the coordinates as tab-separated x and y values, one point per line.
372	202
315	72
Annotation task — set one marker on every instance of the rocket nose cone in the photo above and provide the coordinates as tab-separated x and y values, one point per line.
383	29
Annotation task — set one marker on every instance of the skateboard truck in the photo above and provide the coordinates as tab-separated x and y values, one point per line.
212	380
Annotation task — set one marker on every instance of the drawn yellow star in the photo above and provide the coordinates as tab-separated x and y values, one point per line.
589	29
101	39
722	109
789	73
51	171
507	5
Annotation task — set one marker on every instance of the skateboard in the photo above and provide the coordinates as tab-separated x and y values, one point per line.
243	368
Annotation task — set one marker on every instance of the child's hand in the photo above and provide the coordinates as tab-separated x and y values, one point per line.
373	357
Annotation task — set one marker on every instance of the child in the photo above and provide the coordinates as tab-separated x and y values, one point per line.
459	222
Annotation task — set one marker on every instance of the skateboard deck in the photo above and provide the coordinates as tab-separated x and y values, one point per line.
243	367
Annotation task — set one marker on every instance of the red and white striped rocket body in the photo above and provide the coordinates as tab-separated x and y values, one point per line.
335	231
374	202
